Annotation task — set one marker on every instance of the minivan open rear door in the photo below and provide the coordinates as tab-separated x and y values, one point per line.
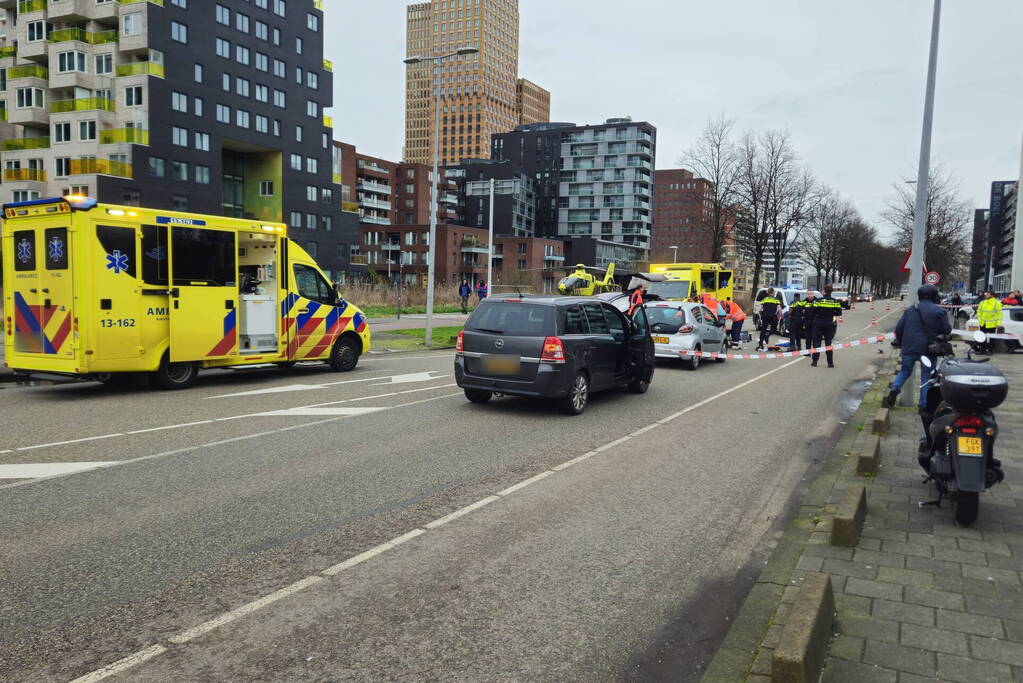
203	293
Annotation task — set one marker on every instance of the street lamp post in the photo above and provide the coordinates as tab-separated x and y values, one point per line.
431	247
916	257
674	253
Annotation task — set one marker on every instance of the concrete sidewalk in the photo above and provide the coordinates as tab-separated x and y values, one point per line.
416	321
918	598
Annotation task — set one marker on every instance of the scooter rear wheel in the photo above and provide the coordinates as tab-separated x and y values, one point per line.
967	505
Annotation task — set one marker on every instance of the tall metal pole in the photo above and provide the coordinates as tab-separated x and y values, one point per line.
490	242
431	266
916	259
1016	277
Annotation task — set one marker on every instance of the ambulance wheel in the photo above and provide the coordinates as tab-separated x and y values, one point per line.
175	375
345	355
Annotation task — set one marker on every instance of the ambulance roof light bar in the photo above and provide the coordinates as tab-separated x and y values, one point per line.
75	201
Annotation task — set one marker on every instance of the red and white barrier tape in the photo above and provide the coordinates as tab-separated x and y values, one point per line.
789	354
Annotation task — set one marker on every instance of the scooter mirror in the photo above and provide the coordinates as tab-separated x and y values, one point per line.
979	337
926	362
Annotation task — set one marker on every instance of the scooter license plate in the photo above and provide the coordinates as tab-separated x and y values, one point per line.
660	340
971	445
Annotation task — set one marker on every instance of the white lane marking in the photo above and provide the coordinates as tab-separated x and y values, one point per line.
7	451
392	393
461	512
524	483
724	393
278	390
612	444
248	608
47	469
65	443
320	412
122	664
258	435
644	430
287	388
372	552
384	547
160	429
412	378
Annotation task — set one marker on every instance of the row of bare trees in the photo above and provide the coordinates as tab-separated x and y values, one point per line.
769	205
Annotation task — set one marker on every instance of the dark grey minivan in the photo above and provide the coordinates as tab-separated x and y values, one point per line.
559	347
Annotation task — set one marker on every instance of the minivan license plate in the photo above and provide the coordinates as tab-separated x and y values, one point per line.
501	365
970	445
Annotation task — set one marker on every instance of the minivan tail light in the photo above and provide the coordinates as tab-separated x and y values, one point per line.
553	350
685	329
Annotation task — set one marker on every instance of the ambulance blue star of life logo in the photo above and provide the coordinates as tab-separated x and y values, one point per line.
56	247
117	262
24	250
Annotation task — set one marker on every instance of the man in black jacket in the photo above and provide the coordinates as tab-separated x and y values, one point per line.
917	328
826	312
796	310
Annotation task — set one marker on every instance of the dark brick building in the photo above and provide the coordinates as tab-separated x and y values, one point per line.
682	217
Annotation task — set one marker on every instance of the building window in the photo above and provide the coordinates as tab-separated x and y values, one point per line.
179	32
312	80
280	99
262	62
241	54
296	219
179	136
280	69
262	30
38	30
326	223
296	162
133	96
298	74
298	45
71	61
225	82
223	48
311	165
62	166
131	24
311	247
262	124
312	22
197	106
223	15
202	175
223	113
131	197
327	195
179	170
104	64
312	109
86	130
266	188
183	4
202	141
262	93
241	118
62	132
310	222
241	86
277	127
298	133
179	202
156	167
241	22
311	193
280	8
24	195
179	101
197	73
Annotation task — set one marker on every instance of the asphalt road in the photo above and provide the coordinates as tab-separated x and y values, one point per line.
625	563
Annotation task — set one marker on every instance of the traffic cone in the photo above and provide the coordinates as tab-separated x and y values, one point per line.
873	320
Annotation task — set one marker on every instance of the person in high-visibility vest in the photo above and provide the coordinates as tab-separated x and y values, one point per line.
635	299
989	315
796	310
770	312
738	317
826	312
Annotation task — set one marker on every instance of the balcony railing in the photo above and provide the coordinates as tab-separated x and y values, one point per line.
369	165
3	113
351	207
84	104
31	6
137	136
358	260
25	143
83	36
141	69
375	203
328	65
8	51
28	71
101	167
328	121
375	220
373	187
132	2
33	174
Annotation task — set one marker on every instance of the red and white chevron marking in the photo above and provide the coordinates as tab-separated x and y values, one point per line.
789	354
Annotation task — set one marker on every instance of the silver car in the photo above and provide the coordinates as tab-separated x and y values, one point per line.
682	326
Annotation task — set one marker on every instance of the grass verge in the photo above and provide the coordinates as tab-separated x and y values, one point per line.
413	339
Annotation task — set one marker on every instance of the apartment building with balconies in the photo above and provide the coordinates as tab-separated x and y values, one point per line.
210	107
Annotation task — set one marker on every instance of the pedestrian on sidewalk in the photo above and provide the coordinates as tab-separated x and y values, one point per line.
919	325
770	312
482	290
738	317
464	292
989	315
796	310
826	312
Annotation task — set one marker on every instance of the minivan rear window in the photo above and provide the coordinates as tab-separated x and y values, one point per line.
512	319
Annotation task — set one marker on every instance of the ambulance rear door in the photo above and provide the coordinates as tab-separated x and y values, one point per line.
203	292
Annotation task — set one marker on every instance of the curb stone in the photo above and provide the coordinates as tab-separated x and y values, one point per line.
803	645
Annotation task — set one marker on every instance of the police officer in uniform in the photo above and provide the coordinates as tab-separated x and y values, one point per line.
796	309
770	307
826	312
809	315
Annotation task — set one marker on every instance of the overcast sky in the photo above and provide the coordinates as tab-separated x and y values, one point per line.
846	78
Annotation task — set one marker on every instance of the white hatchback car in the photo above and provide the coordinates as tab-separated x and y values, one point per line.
683	326
1012	321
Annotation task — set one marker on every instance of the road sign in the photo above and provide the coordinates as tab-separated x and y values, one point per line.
904	268
932	278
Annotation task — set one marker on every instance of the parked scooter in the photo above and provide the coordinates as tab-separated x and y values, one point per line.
961	431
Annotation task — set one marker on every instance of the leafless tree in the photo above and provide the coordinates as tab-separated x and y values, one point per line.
947	236
714	157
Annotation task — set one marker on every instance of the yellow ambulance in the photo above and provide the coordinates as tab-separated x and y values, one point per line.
691	280
94	290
